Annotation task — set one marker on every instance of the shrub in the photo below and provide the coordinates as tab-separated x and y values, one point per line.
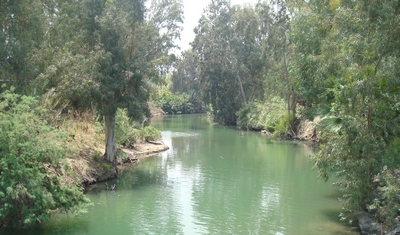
269	115
175	103
129	132
31	153
96	156
106	167
150	133
281	128
125	134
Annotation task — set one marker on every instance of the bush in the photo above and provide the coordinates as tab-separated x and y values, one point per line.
150	133
124	133
271	116
31	153
175	103
282	127
386	203
128	132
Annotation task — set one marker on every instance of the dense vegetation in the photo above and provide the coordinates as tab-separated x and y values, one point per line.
248	66
340	59
349	64
73	57
31	164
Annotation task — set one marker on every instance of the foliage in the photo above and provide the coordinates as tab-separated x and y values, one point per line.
96	156
174	103
31	154
386	202
23	27
184	78
125	133
129	132
282	127
106	55
228	44
106	167
269	115
348	62
150	133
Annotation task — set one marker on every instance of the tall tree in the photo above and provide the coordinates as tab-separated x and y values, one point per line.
184	79
349	64
22	29
228	42
108	52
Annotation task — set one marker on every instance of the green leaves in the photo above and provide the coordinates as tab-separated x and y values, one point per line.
31	153
345	61
270	115
174	103
229	46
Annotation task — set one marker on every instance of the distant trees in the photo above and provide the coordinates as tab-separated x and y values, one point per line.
184	78
228	43
244	54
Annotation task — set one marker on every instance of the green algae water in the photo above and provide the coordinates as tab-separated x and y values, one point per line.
212	180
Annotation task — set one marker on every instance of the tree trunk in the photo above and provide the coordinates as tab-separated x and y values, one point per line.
111	144
294	104
286	75
241	89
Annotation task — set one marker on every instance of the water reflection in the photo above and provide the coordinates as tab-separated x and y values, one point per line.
213	181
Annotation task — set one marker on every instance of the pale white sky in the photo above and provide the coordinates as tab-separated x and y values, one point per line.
193	9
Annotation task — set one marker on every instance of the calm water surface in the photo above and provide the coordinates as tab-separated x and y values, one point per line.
212	181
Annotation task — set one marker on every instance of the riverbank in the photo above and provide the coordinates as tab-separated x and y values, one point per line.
85	164
88	166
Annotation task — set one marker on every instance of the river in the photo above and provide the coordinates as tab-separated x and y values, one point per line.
212	180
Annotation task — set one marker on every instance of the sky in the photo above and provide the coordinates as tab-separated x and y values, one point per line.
193	10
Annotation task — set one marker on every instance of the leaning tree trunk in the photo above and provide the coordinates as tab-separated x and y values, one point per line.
111	144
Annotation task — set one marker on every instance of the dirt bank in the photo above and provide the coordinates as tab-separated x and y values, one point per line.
306	130
88	166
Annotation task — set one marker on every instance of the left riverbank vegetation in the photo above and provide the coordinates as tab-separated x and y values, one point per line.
69	70
266	66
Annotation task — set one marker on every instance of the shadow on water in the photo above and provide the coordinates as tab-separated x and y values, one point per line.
335	226
335	195
59	224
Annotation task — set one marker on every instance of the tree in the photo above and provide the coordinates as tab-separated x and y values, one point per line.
110	51
136	56
349	64
228	43
278	52
22	29
184	78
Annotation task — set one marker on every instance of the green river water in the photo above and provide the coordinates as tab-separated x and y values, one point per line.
212	180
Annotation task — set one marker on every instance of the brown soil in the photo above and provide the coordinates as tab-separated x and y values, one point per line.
303	130
156	111
306	130
142	150
86	164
